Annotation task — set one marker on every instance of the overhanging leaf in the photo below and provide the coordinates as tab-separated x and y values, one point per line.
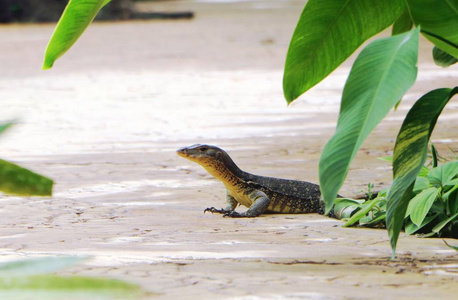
327	33
17	180
438	21
74	20
380	76
403	23
410	155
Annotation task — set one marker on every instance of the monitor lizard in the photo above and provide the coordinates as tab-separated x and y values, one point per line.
259	193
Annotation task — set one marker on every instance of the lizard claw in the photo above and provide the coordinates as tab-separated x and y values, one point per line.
233	214
215	210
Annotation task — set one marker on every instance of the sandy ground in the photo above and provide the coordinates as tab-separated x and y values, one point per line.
105	124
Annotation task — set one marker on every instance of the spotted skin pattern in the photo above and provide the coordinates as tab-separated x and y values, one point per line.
259	193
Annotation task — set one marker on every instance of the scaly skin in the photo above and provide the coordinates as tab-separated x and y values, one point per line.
260	194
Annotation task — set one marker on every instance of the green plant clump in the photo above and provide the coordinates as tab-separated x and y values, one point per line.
432	210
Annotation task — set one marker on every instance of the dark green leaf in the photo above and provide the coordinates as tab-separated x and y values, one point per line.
74	20
419	206
438	20
434	155
381	74
327	33
20	181
403	23
442	58
410	155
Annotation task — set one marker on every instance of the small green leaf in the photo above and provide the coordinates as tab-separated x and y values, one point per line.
453	247
411	228
419	206
381	74
442	174
20	181
367	206
403	23
74	20
442	58
327	33
410	155
37	266
434	155
442	224
423	172
386	158
421	183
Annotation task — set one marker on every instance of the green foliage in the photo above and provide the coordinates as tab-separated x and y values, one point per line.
438	20
19	181
327	33
74	20
410	154
30	279
380	76
432	209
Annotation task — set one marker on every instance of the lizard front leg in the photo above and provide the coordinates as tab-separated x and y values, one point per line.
260	204
231	205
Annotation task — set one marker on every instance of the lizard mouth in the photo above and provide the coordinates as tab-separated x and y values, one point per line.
183	152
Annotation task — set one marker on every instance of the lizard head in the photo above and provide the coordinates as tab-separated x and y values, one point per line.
215	160
202	154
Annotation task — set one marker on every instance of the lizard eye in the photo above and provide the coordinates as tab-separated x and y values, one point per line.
203	149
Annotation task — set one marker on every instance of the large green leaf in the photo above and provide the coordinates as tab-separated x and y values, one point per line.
439	22
74	20
403	23
20	181
410	155
380	76
327	33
